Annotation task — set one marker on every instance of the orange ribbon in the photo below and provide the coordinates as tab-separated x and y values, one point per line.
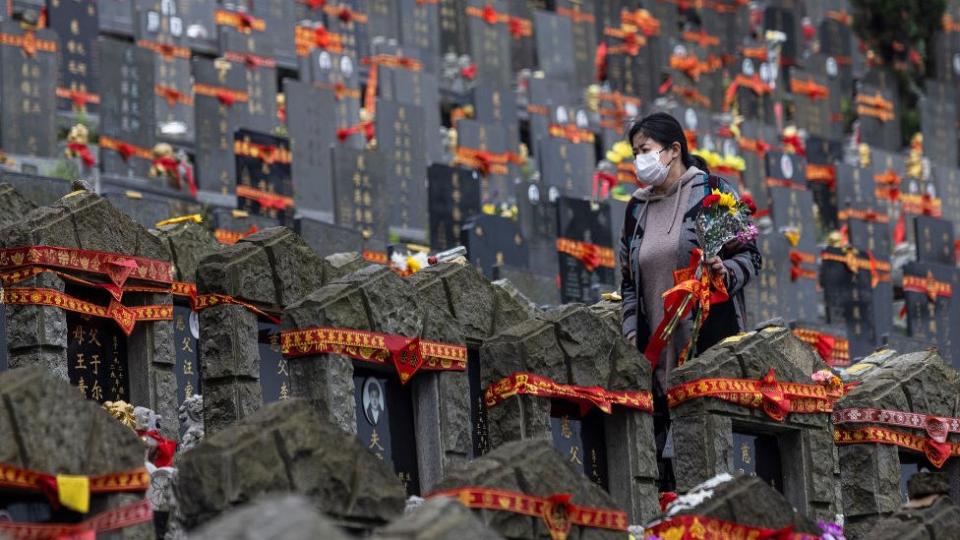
774	398
482	160
266	153
875	106
125	149
854	264
927	285
693	67
557	512
822	174
643	20
408	355
835	351
375	257
115	266
701	38
689	527
753	84
689	292
345	14
166	50
863	215
307	39
809	88
936	452
631	42
226	96
691	94
756	146
518	28
265	199
250	61
29	43
592	256
575	15
529	384
571	132
921	204
172	96
77	97
121	517
243	22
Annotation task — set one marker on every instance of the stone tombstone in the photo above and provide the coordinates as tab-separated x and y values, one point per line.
454	35
932	314
545	97
493	240
908	398
230	225
145	201
478	137
116	345
188	243
822	156
326	238
278	517
311	137
219	96
948	187
785	20
769	297
39	190
539	289
200	28
584	38
339	73
563	345
876	109
632	58
454	197
554	45
127	119
728	502
811	101
792	448
585	253
287	447
870	235
536	209
417	87
76	24
458	522
279	19
50	429
420	28
567	160
264	183
757	138
418	424
532	469
252	52
495	105
28	90
938	122
115	16
359	178
346	20
401	140
935	240
383	19
523	32
857	296
173	102
241	365
934	510
792	210
489	40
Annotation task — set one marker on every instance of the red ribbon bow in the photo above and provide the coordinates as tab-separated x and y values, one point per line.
406	356
775	402
165	449
825	345
125	150
226	98
83	151
469	72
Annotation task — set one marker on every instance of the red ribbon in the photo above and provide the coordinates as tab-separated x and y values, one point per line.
225	98
469	72
166	448
83	151
605	182
171	166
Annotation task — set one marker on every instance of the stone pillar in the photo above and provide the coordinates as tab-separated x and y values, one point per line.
441	408
37	335
632	467
869	476
702	445
229	365
326	382
151	359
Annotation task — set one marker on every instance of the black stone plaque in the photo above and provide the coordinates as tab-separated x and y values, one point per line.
938	120
492	241
479	434
401	140
116	16
385	422
279	18
635	74
252	52
489	43
855	188
454	197
822	156
495	105
754	174
948	186
871	236
28	69
758	455
538	224
173	101
522	30
491	138
127	105
584	38
75	21
568	166
786	21
383	19
312	134
932	316
454	35
935	240
855	300
264	165
348	19
220	92
554	38
580	440
420	28
583	221
792	211
97	357
876	108
274	376
770	296
327	238
200	29
339	74
788	168
359	186
186	335
811	101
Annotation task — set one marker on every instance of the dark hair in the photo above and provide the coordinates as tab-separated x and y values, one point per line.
665	129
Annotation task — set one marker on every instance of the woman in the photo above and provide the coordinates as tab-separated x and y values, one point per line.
658	237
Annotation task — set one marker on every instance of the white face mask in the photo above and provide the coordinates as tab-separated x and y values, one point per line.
649	169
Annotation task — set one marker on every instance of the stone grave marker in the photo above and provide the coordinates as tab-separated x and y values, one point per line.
127	119
536	209
948	186
769	297
454	197
633	54
584	38
879	122
253	52
405	410
116	16
489	37
586	256
281	435
494	105
822	158
493	240
857	293
928	290
793	218
340	74
78	84
28	90
161	32
935	240
531	374
358	186
812	103
53	431
420	28
264	174
279	18
103	337
454	35
349	20
876	448
567	159
312	135
401	140
230	224
327	238
483	147
219	96
938	120
755	141
798	436
241	290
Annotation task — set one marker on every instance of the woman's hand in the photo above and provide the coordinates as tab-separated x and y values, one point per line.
716	266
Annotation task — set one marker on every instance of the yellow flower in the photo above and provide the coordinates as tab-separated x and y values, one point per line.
624	149
728	200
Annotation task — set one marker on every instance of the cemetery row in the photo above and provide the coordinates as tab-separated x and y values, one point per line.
356	387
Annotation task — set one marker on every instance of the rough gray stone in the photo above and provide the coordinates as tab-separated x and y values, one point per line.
533	467
188	243
47	426
338	265
927	483
442	518
938	520
14	205
286	447
288	517
745	500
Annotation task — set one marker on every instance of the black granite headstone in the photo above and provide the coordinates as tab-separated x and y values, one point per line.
186	335
274	375
312	134
264	169
584	221
928	291
359	186
938	120
400	137
127	107
420	28
584	38
758	455
489	39
492	241
28	71
537	209
454	197
935	240
220	93
859	298
454	34
75	21
97	357
580	440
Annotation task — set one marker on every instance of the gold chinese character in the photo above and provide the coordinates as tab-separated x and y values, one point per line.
375	444
82	386
180	325
575	455
78	334
96	392
565	431
745	453
95	363
79	364
188	367
188	389
186	345
282	367
92	338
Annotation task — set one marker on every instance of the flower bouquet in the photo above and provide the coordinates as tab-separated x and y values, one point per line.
723	220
